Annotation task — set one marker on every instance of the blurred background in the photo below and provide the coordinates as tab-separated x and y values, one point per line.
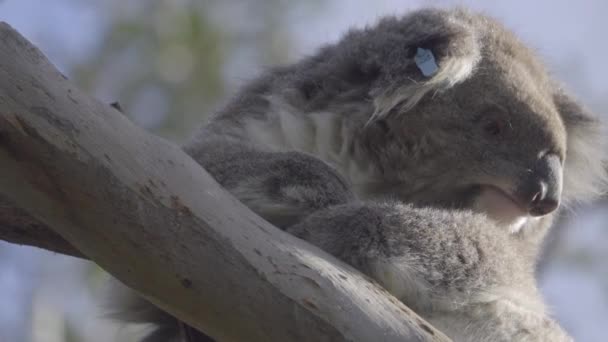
170	63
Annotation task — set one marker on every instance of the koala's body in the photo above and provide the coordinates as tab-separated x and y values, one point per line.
438	178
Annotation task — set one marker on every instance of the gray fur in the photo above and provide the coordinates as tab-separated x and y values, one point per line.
468	279
441	188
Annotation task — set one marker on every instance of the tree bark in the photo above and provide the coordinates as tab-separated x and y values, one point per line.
18	227
92	184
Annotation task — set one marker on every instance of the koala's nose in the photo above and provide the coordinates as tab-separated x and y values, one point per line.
543	189
542	202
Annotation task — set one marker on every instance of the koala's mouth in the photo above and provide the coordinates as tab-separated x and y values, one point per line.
501	206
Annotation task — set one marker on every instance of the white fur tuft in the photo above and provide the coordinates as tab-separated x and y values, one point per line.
586	167
452	71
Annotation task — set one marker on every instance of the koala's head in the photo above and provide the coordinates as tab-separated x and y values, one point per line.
466	116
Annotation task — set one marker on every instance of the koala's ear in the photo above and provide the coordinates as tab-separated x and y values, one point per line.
430	50
585	171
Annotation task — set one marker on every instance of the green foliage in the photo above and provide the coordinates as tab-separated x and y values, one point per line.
166	61
162	61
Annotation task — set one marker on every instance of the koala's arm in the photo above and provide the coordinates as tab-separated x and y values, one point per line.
282	187
456	269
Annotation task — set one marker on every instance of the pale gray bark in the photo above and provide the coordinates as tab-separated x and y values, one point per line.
151	216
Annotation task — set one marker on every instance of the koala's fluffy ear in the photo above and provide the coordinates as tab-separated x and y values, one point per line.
585	171
428	50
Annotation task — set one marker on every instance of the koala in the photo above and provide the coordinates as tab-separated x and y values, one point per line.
430	151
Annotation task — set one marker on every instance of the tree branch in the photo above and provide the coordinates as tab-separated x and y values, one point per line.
147	213
18	227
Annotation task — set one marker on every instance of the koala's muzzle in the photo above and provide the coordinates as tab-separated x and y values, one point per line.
540	192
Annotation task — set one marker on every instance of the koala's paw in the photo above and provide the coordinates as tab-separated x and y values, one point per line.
290	186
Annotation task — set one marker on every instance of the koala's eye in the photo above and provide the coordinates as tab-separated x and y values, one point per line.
494	127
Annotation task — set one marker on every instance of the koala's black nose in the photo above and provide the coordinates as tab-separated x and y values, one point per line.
542	202
543	189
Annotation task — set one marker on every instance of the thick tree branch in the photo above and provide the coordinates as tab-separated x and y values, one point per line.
18	227
151	216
